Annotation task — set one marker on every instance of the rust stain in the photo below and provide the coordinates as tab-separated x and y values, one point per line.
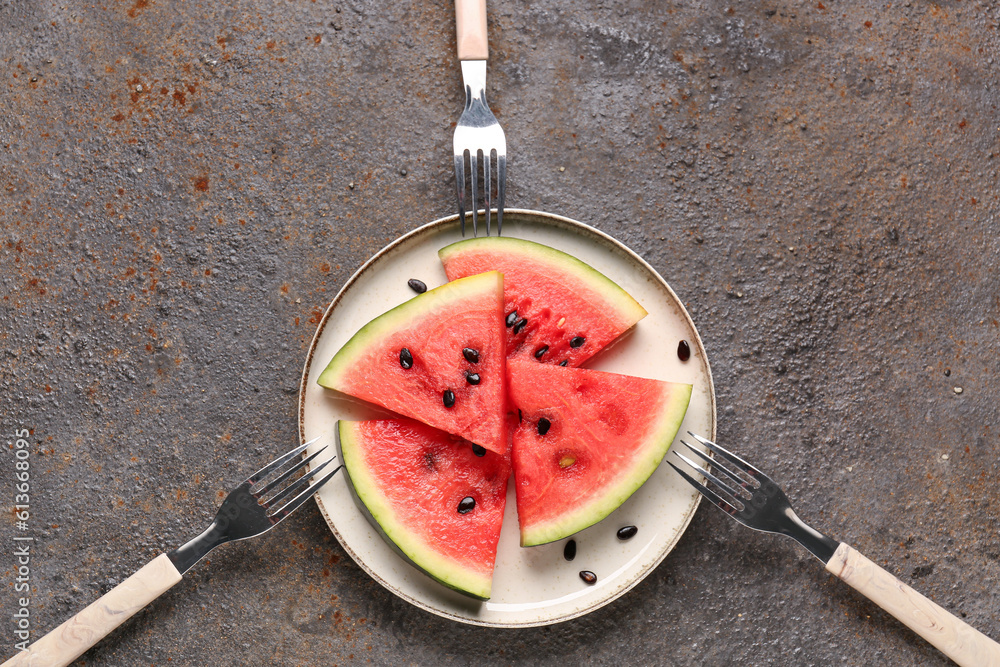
137	7
201	184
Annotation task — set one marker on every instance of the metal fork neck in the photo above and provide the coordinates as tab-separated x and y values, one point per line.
474	76
817	543
185	557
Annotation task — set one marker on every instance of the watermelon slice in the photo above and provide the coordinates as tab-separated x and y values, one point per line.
587	440
439	358
556	308
414	484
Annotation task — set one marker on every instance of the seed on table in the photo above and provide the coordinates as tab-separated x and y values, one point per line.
588	577
417	286
478	451
543	426
569	551
683	350
511	318
405	358
472	356
577	341
540	351
523	322
627	533
472	378
449	398
467	504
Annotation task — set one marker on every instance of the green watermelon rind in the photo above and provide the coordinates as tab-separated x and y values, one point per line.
380	515
654	448
615	297
392	320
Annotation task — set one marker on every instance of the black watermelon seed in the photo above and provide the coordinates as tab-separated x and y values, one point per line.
478	451
521	323
540	351
627	533
543	426
511	318
564	362
449	398
472	378
683	350
588	577
569	551
520	417
405	358
467	504
472	356
417	286
577	341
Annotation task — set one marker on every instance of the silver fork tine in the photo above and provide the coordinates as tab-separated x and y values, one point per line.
718	466
732	458
712	496
501	188
487	185
293	504
294	487
278	462
710	477
460	182
273	484
475	201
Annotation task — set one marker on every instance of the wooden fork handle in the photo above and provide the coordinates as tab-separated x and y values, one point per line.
470	21
952	636
67	642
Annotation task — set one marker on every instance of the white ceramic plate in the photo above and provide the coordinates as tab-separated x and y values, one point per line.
534	586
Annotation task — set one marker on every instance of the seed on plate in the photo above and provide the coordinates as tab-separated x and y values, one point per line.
564	362
472	378
540	351
543	426
577	341
521	323
478	451
588	577
511	318
466	505
569	551
472	356
683	350
405	358
449	398
417	286
627	533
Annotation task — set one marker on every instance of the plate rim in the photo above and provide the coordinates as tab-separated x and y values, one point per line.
393	246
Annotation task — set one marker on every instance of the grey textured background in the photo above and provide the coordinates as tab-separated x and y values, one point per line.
184	187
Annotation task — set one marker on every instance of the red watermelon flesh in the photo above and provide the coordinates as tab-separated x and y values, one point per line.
411	480
557	309
587	440
438	384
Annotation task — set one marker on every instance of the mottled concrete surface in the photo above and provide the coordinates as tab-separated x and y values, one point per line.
185	185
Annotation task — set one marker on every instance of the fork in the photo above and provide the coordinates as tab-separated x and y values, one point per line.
478	132
257	505
758	502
